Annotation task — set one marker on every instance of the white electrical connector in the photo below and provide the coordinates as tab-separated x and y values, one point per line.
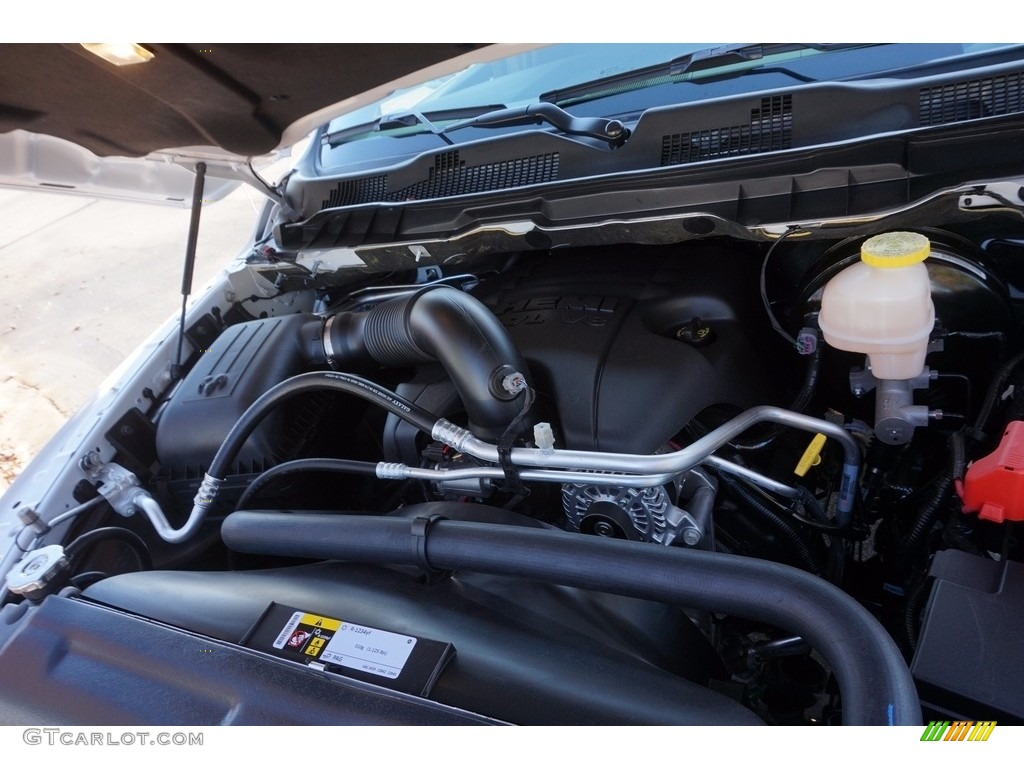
514	383
544	438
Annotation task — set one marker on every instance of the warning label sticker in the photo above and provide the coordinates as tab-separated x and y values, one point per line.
398	661
306	633
346	644
371	650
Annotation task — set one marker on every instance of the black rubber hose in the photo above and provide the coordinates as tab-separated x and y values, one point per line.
873	678
348	466
306	382
790	535
87	541
442	324
87	579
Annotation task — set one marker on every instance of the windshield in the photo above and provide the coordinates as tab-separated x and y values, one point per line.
557	72
516	80
615	82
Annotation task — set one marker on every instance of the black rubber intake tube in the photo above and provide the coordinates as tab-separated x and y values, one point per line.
308	382
873	678
437	324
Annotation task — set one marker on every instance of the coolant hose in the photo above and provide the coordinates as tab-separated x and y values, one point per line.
440	324
873	678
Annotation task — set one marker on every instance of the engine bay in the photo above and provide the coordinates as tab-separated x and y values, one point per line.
639	468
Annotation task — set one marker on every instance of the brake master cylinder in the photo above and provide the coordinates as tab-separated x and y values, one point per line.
882	307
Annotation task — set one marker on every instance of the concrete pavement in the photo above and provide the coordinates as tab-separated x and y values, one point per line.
82	283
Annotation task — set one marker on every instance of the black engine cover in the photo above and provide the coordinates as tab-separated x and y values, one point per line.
629	346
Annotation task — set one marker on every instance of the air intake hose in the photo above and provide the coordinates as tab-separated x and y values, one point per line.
444	325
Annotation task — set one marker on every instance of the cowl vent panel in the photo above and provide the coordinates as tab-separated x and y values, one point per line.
449	176
972	99
770	128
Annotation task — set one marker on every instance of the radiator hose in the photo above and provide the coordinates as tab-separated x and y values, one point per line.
876	686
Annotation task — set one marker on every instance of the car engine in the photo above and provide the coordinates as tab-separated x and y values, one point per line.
633	483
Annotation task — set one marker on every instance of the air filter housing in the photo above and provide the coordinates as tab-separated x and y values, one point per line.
244	362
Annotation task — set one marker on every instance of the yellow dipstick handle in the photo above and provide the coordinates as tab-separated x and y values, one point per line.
812	456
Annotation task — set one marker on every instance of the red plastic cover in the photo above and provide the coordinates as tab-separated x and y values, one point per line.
994	486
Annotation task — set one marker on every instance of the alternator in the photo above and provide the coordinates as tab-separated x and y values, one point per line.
642	514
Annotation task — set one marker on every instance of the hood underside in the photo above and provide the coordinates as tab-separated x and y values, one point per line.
238	97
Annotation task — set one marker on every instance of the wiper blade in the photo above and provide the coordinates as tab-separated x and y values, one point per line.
405	120
612	131
685	67
712	58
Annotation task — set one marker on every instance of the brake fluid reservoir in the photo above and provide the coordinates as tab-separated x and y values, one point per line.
882	305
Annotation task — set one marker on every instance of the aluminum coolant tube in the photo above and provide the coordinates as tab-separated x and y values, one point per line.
874	681
675	462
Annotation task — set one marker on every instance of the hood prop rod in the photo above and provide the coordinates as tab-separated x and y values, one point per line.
190	261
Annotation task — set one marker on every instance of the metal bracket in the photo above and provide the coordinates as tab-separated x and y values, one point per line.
1000	194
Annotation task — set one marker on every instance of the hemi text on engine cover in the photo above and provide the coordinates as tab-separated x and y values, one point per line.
590	310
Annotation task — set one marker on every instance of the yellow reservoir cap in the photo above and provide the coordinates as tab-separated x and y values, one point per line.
895	249
812	456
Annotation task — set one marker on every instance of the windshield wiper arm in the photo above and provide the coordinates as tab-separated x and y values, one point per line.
404	120
612	131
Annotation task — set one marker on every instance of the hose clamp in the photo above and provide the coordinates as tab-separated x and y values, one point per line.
420	526
329	351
